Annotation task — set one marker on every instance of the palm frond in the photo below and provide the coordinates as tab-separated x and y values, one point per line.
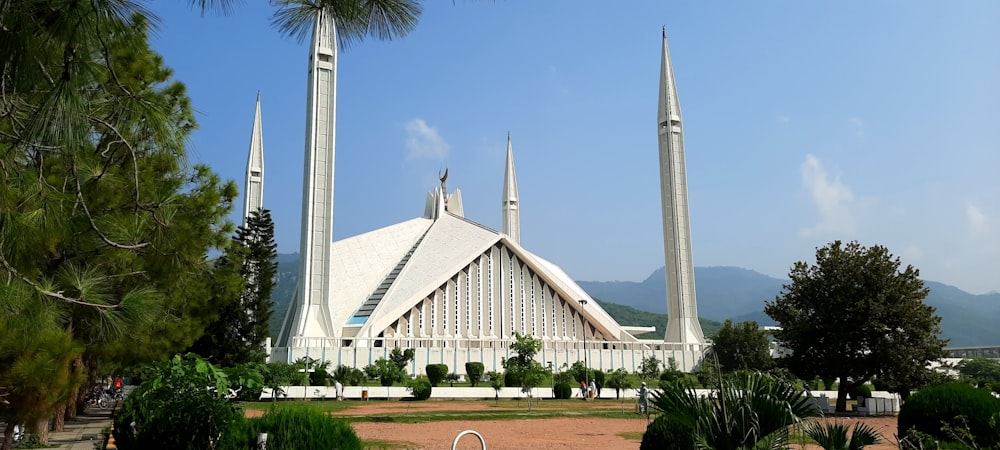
354	20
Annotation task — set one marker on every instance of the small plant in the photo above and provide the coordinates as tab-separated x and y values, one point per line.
562	391
292	429
838	436
451	378
420	388
666	434
496	382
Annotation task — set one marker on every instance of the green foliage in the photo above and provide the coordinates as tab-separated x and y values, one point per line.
838	436
599	377
619	381
932	407
563	377
348	376
182	406
632	316
665	434
742	346
523	367
292	429
979	370
247	380
861	391
496	381
562	391
436	373
580	372
748	409
401	358
419	388
855	315
277	375
474	370
452	378
649	369
385	371
238	333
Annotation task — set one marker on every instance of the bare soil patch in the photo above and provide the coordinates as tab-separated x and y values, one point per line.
562	433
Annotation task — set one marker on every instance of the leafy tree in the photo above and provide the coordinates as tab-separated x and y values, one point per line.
451	378
401	358
237	336
855	315
385	371
980	370
496	382
580	372
474	370
349	376
277	375
649	368
618	380
742	346
523	365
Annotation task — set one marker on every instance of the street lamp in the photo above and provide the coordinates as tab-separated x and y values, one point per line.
586	365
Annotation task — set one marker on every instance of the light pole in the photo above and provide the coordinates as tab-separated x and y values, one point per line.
586	365
552	378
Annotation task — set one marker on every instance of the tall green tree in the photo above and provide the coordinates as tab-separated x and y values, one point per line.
523	366
855	315
244	278
742	346
101	216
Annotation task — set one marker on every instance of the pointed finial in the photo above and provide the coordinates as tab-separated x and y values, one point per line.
664	32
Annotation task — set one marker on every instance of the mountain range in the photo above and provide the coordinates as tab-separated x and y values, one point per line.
725	293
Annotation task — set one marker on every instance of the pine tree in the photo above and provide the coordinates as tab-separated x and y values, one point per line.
244	278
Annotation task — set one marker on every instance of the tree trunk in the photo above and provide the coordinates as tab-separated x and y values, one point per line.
41	429
59	419
842	389
75	404
8	436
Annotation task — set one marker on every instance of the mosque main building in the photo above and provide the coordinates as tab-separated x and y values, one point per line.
452	289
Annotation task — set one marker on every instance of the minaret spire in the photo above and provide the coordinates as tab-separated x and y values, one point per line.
511	209
253	190
310	314
682	305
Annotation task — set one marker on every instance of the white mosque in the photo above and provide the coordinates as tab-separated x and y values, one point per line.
450	288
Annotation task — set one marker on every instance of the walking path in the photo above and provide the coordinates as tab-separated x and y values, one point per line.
84	433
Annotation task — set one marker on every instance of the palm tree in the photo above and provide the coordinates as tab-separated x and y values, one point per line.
748	410
833	435
353	19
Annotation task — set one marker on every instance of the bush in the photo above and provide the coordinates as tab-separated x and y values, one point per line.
930	408
420	388
292	429
475	371
511	379
861	391
599	377
562	391
181	405
664	434
436	373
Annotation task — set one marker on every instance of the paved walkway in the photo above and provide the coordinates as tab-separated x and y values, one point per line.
84	433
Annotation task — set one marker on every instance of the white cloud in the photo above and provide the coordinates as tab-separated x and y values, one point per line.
423	141
859	127
832	199
977	220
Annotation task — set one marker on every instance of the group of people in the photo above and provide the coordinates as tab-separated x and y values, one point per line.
590	391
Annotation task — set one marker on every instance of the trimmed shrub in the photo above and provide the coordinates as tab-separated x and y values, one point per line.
861	391
292	429
665	434
510	379
436	373
475	371
599	377
562	391
420	388
931	407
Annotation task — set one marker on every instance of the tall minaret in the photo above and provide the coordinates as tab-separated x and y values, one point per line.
310	315
511	210
682	305
253	191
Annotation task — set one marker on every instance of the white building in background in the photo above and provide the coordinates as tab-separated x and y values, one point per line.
253	187
452	289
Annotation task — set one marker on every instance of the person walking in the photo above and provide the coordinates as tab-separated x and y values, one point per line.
337	386
643	399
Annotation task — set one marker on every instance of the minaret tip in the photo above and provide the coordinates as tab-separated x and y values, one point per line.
664	32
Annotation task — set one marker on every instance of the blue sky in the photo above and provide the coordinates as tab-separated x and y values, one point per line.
804	122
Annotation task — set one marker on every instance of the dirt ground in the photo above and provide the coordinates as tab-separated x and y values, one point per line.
546	434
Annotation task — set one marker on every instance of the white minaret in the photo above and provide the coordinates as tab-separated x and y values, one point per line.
253	190
309	315
682	305
511	209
